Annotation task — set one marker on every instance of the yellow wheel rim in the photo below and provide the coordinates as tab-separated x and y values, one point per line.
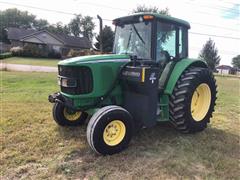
114	132
71	116
201	101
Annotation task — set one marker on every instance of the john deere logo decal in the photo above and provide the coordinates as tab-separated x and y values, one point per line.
152	77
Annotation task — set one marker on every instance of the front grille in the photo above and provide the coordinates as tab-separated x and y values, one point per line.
84	78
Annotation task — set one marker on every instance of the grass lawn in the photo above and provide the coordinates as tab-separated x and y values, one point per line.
34	147
31	61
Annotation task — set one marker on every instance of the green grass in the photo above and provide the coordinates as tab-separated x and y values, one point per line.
34	147
31	61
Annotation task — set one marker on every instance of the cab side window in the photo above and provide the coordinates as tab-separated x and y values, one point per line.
166	41
167	35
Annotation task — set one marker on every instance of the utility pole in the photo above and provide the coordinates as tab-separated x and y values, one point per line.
100	33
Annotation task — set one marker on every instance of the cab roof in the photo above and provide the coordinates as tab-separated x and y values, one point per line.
157	16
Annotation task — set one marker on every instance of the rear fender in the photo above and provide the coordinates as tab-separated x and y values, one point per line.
179	68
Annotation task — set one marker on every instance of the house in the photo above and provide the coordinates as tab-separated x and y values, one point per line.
224	69
60	43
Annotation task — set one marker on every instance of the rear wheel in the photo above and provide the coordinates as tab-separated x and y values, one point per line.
193	100
67	117
109	130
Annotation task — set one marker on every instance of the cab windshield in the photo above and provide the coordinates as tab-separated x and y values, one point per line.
133	39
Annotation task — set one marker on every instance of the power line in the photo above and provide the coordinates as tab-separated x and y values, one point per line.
105	6
193	48
209	25
68	13
202	34
43	9
229	2
216	7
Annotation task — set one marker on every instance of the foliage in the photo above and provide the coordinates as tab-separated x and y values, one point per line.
16	51
75	53
154	9
34	147
236	61
19	19
87	27
209	53
16	18
34	50
107	39
82	26
40	24
54	54
58	28
5	55
79	26
74	25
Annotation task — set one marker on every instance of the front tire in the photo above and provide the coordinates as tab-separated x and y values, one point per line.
193	100
64	116
110	130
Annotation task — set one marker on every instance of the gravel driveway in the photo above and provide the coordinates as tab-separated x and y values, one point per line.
28	68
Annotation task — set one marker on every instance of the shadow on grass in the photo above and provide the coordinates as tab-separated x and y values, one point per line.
212	153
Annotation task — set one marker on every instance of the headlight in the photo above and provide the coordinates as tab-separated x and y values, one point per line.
65	82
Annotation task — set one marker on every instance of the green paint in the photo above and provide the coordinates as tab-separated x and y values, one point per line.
105	69
178	70
164	106
82	60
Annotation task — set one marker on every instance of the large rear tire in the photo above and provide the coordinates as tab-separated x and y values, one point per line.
67	117
193	100
110	130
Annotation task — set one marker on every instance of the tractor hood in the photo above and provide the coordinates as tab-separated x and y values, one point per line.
83	60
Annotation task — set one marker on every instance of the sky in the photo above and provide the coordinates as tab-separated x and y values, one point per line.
212	17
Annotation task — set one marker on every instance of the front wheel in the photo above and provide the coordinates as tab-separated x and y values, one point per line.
193	100
67	117
110	130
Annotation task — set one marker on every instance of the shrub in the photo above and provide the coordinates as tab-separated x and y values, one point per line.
54	54
33	50
16	51
5	55
73	53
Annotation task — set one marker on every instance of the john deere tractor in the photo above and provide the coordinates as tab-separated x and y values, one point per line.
147	79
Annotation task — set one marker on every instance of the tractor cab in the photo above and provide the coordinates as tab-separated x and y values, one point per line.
155	43
151	37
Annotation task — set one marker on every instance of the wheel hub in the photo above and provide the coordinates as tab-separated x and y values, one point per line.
201	101
71	115
114	132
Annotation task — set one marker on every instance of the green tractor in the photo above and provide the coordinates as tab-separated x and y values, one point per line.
147	79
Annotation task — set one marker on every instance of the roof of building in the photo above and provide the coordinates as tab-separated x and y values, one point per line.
224	67
20	33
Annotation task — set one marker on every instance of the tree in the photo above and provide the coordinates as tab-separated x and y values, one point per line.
236	61
87	27
14	18
40	24
107	39
83	26
58	28
74	25
209	53
154	9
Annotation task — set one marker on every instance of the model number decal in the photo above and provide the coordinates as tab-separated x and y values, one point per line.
130	73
